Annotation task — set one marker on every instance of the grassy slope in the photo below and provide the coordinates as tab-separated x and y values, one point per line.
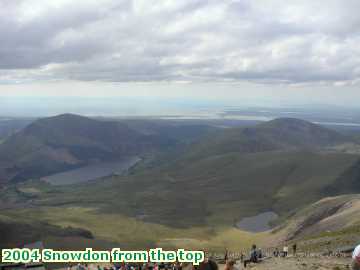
132	233
191	204
331	223
194	200
241	184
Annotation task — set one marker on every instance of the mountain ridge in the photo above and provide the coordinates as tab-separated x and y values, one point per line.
66	141
281	134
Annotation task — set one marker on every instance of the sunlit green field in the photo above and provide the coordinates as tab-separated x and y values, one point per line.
135	233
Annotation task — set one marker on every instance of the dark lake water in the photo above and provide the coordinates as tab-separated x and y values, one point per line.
91	172
258	223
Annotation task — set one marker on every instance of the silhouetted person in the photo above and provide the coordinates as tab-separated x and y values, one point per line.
276	252
226	255
294	247
242	257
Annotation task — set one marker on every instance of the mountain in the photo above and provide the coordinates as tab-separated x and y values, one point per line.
283	165
347	182
279	134
66	141
332	223
327	214
15	234
243	171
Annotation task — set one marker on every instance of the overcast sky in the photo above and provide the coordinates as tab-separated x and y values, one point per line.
265	51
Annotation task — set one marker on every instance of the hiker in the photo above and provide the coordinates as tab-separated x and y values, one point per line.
226	255
242	257
122	266
294	249
276	252
253	256
285	250
355	264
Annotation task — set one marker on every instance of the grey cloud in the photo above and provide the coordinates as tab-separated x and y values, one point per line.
142	40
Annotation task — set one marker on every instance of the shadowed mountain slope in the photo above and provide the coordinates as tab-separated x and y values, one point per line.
280	134
66	141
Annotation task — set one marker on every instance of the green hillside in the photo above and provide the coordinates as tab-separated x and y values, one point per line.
55	144
331	223
199	201
194	198
279	134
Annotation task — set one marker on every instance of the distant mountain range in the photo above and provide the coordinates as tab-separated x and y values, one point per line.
67	141
216	178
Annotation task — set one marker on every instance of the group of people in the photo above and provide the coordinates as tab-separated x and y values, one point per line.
131	266
255	256
285	251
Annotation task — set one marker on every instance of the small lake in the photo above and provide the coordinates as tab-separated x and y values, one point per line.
91	172
258	223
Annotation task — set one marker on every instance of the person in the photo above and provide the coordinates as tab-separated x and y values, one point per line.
355	264
285	250
242	257
177	266
122	266
276	252
253	256
294	247
226	255
259	253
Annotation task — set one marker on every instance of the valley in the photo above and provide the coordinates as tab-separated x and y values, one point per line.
227	128
190	190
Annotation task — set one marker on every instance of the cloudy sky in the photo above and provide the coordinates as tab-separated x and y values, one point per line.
265	51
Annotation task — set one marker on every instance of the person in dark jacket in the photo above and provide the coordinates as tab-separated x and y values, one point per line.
294	247
253	256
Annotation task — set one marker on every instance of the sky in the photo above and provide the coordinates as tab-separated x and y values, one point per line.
257	52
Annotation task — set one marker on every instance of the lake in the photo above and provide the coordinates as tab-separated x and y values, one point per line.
258	223
91	172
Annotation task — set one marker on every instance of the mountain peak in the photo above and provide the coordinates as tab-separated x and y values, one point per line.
288	121
298	132
65	117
